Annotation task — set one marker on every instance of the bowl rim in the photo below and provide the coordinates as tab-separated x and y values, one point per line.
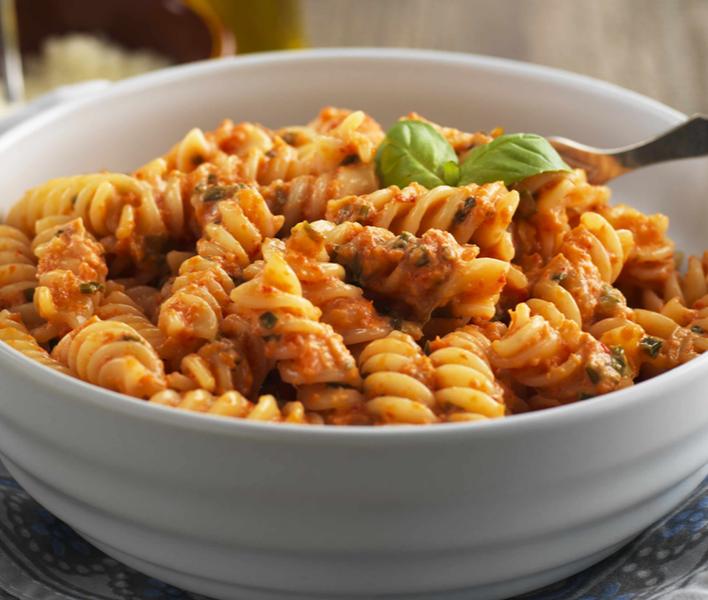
82	391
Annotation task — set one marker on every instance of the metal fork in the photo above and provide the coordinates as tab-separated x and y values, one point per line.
687	140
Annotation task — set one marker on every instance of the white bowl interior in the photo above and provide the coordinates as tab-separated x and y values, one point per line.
141	118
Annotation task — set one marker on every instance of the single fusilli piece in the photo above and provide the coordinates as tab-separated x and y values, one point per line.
417	275
305	350
471	213
18	274
235	361
652	262
578	280
305	197
71	274
465	386
233	229
194	303
233	404
398	381
550	205
117	305
14	333
549	354
343	305
113	355
118	209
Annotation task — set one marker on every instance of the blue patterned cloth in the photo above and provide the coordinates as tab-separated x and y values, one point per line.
41	558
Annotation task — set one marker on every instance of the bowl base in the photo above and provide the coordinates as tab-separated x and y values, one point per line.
227	591
66	508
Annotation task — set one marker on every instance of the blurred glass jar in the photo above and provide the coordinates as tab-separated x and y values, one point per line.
260	25
69	41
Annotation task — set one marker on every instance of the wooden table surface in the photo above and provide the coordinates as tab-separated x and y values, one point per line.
656	47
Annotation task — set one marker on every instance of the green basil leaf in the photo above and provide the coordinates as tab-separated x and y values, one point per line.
511	158
414	151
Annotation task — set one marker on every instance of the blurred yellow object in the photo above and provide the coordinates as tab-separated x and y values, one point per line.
261	25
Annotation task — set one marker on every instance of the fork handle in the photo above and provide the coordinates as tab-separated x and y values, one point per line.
688	140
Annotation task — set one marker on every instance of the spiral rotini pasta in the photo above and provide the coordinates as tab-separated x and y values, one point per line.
14	333
18	274
221	366
306	350
235	229
71	273
418	275
550	206
194	305
113	355
118	209
275	275
549	353
305	197
117	305
471	213
398	380
343	305
651	262
233	404
578	280
465	386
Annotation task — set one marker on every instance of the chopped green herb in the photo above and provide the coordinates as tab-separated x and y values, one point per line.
218	192
618	361
651	345
364	211
396	322
585	396
593	375
212	179
268	320
423	259
350	159
697	329
465	209
426	347
90	287
74	198
402	240
560	277
127	337
609	295
59	232
28	293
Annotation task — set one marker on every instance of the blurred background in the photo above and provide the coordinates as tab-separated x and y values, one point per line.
656	47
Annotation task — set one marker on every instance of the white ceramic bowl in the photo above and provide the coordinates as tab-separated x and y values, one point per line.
257	511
